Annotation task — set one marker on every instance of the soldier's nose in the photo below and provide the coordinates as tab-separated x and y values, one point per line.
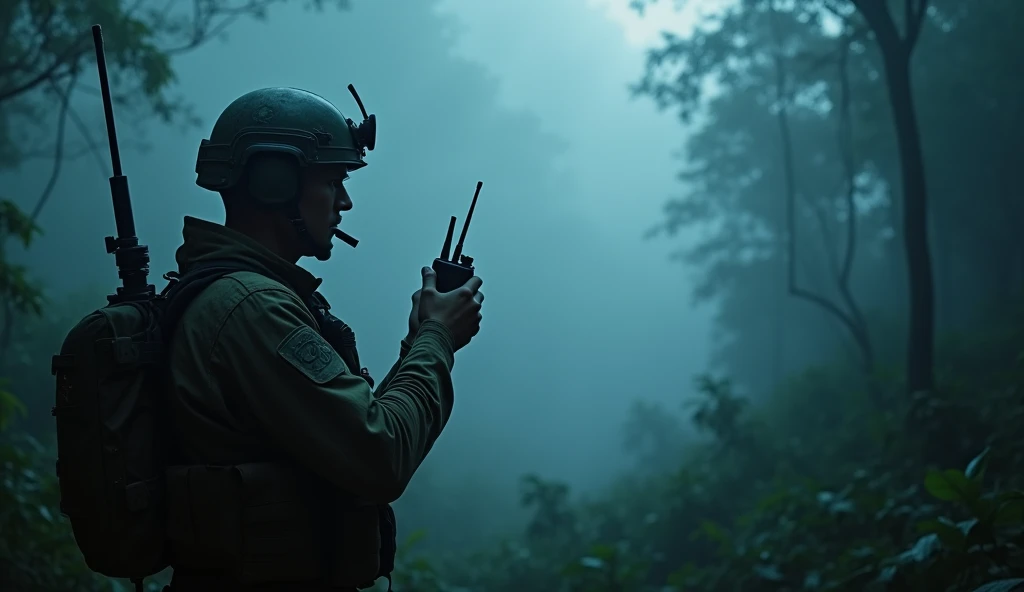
344	201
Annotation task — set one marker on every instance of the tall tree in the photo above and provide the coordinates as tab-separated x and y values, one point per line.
892	188
896	49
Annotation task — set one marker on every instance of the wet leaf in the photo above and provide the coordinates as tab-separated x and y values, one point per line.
951	486
1010	509
951	536
923	550
603	552
1014	585
769	572
713	532
976	468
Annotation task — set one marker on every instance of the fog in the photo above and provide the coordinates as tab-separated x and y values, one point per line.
583	315
802	377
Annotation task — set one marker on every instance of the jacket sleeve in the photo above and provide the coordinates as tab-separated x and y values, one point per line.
403	350
299	390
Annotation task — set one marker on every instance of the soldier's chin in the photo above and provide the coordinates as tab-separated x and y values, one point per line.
322	251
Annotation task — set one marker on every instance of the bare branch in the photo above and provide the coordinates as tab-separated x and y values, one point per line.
916	10
823	61
62	63
826	234
58	156
68	61
214	20
93	145
852	324
46	153
8	328
51	182
846	156
880	21
41	63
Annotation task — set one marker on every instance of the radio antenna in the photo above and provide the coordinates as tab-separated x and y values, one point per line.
131	258
465	225
446	249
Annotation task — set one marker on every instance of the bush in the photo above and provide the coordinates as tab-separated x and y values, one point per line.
813	488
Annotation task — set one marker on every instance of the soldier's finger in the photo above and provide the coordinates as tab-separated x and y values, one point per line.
429	278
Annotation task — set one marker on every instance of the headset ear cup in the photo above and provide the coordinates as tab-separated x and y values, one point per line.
273	179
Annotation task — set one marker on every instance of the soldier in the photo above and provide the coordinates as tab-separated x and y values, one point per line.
285	461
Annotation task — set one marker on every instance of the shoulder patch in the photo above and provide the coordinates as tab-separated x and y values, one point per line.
305	349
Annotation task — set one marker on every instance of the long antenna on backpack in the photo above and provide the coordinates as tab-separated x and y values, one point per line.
131	258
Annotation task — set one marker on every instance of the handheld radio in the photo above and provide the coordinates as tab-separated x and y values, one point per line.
455	272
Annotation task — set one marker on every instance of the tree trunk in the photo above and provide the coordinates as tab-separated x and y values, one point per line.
921	335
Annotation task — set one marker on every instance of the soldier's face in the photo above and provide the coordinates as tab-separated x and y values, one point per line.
323	200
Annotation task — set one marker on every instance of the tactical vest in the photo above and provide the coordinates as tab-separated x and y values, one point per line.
265	523
134	511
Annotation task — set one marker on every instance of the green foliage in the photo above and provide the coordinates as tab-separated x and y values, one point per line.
552	516
856	538
37	549
810	488
17	291
33	340
10	406
414	571
46	48
803	485
606	568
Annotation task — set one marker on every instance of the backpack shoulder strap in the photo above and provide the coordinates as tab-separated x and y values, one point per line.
187	287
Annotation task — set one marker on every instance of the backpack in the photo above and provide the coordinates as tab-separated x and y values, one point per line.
112	445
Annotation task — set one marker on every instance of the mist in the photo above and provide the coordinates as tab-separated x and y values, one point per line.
583	314
753	274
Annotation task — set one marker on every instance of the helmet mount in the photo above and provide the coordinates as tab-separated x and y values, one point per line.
365	133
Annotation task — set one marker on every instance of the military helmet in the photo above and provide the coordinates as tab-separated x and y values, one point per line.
304	128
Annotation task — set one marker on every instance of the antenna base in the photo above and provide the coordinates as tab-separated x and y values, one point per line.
132	260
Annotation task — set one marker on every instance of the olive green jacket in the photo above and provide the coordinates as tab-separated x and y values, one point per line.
252	380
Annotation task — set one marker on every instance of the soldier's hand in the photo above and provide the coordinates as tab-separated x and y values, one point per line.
414	315
459	310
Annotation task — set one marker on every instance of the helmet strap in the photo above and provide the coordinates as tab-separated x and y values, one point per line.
299	224
276	179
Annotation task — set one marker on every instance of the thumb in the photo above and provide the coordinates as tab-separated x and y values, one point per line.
429	278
